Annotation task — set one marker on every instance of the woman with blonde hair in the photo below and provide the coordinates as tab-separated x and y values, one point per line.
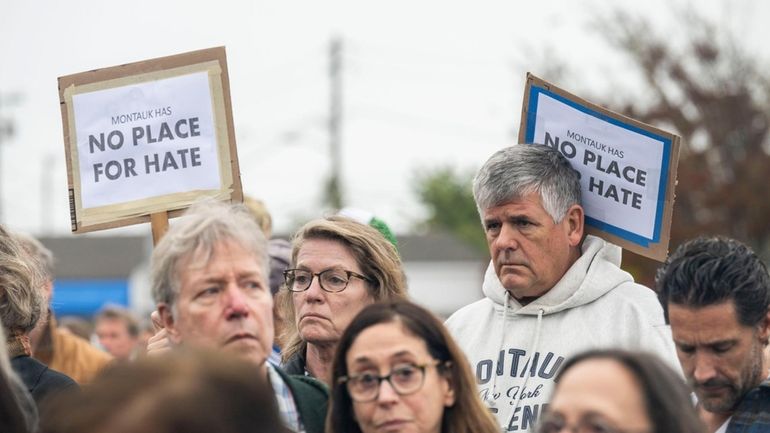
397	369
338	266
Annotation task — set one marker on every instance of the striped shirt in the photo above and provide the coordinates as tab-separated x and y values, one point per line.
286	406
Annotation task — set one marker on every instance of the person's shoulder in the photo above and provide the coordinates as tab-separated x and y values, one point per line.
41	380
311	397
302	385
57	380
636	294
470	312
77	348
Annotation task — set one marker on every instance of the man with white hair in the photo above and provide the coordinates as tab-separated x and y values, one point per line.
209	279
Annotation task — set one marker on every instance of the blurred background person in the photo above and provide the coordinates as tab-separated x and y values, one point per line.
181	391
279	251
261	215
397	369
18	413
619	391
51	345
117	330
339	266
76	326
21	307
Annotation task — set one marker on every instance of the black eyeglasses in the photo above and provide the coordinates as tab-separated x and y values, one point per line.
404	379
331	280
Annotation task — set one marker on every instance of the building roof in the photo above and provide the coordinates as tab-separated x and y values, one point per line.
437	247
78	256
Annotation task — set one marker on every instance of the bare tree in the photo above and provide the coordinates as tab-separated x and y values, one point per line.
717	97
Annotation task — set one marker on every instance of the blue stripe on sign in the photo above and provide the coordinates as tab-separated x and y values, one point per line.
84	297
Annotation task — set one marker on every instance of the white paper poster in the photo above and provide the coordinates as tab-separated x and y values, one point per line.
623	168
146	140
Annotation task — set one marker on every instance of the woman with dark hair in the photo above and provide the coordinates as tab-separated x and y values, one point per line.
397	369
616	391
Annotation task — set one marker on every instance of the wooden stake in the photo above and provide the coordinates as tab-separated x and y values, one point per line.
159	222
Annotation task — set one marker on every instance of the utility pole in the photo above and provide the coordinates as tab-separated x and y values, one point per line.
6	131
334	185
46	193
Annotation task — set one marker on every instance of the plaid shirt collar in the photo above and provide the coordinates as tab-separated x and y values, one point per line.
753	412
286	406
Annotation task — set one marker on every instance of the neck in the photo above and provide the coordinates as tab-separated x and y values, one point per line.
713	420
318	360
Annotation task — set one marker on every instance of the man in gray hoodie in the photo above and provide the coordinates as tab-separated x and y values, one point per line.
550	292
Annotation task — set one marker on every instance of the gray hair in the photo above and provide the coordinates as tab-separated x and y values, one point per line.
21	303
516	171
42	255
205	225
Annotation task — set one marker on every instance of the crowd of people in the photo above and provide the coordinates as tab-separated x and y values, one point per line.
257	335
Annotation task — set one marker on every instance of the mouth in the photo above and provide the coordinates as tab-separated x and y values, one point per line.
313	316
511	267
240	337
391	424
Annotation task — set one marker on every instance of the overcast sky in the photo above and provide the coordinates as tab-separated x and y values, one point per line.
426	83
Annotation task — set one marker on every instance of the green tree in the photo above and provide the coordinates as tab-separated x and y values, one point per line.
447	194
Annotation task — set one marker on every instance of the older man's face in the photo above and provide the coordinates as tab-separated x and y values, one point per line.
225	303
531	252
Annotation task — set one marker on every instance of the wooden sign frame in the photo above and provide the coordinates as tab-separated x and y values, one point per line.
152	208
656	246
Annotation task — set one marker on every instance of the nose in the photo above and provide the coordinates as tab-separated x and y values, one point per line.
236	306
507	239
704	368
386	395
314	293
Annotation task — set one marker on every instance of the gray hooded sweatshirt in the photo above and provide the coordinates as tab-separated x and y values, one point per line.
516	351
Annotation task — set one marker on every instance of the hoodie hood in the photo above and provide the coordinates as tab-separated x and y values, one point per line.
595	273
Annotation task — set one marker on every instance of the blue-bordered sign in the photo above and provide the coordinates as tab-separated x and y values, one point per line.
627	168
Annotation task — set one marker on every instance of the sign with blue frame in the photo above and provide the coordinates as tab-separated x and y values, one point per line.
627	168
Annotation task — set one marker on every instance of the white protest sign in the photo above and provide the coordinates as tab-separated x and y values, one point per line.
627	169
148	137
159	140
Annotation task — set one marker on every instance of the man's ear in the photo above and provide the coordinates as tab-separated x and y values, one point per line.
764	328
168	322
575	220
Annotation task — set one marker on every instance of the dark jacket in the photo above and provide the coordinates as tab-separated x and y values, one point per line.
40	380
311	398
295	364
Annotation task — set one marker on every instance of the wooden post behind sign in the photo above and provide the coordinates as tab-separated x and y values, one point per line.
159	223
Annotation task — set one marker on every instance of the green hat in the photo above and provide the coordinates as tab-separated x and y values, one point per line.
368	218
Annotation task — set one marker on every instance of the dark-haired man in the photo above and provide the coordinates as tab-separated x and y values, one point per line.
715	293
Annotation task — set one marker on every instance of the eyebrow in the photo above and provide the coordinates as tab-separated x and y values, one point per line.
365	359
218	278
709	343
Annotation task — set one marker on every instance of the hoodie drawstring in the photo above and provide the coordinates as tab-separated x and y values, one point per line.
532	351
492	401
